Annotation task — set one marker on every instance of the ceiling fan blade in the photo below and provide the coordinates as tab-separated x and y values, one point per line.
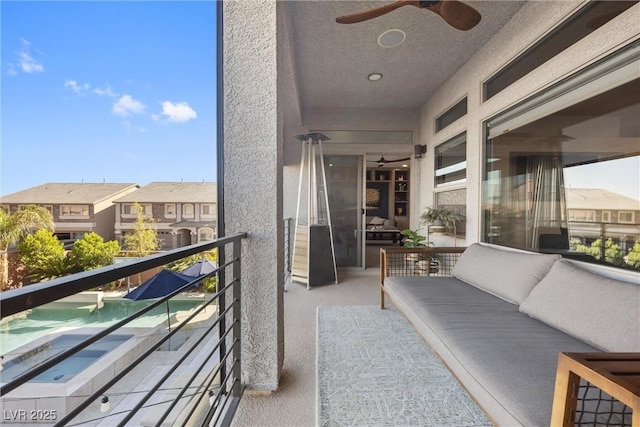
375	12
457	14
398	160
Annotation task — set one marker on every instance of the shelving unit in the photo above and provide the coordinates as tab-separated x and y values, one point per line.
399	191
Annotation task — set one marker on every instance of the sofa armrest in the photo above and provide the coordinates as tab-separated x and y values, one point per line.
402	261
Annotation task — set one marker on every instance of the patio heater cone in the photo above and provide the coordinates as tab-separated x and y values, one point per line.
314	260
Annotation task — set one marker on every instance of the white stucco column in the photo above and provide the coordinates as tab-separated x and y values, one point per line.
253	182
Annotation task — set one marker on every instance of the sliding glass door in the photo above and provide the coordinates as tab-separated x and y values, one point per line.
344	188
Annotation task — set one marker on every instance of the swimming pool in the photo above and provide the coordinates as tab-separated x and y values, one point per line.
68	368
44	320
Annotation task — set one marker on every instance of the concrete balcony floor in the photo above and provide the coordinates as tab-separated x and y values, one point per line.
294	403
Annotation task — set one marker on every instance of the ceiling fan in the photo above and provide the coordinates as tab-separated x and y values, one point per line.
457	14
382	161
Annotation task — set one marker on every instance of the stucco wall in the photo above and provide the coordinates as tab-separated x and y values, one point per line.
531	23
253	181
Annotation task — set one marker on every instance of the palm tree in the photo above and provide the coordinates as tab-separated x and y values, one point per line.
14	227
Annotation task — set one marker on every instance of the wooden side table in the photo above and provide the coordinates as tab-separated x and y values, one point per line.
617	374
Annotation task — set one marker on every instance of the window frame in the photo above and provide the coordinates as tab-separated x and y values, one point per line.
167	213
633	217
192	214
70	215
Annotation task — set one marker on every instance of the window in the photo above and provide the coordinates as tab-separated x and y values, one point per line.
451	115
205	235
582	215
587	20
129	209
206	210
557	159
187	210
626	217
170	210
451	161
74	211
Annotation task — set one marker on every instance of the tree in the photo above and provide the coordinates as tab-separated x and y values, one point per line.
612	252
144	238
14	227
92	251
633	259
44	257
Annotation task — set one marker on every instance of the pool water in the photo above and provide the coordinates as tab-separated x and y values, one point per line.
68	368
42	321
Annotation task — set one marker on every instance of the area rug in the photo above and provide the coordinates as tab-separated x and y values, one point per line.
373	369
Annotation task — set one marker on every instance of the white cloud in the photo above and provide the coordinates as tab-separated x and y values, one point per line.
179	112
77	88
25	61
107	91
126	105
29	65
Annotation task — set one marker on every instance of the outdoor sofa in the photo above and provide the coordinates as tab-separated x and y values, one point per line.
501	321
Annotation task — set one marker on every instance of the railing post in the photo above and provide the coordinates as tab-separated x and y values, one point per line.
237	315
222	326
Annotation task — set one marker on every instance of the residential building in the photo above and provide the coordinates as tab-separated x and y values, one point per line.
77	208
184	212
547	87
594	213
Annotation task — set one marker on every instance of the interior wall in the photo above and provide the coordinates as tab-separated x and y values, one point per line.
531	23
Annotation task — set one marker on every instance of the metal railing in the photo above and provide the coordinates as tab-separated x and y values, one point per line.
196	381
288	244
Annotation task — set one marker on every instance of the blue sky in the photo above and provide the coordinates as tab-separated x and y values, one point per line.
118	91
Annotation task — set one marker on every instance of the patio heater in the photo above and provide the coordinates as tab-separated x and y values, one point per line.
314	259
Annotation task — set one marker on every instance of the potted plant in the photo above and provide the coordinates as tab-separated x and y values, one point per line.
413	239
421	261
438	219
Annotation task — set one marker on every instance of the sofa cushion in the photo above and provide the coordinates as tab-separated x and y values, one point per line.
506	274
600	311
376	220
389	224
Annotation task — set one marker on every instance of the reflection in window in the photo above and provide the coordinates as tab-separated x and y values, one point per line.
587	20
456	202
555	184
451	161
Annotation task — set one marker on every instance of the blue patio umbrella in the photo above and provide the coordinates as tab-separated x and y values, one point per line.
200	268
160	285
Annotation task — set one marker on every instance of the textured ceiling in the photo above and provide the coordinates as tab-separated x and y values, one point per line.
333	60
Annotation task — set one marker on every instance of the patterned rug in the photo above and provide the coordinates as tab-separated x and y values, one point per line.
373	369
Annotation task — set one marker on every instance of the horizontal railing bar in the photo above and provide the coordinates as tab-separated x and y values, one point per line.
231	410
161	381
17	300
174	367
92	397
212	374
212	378
227	396
217	399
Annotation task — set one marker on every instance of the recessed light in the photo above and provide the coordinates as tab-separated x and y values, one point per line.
374	77
392	38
